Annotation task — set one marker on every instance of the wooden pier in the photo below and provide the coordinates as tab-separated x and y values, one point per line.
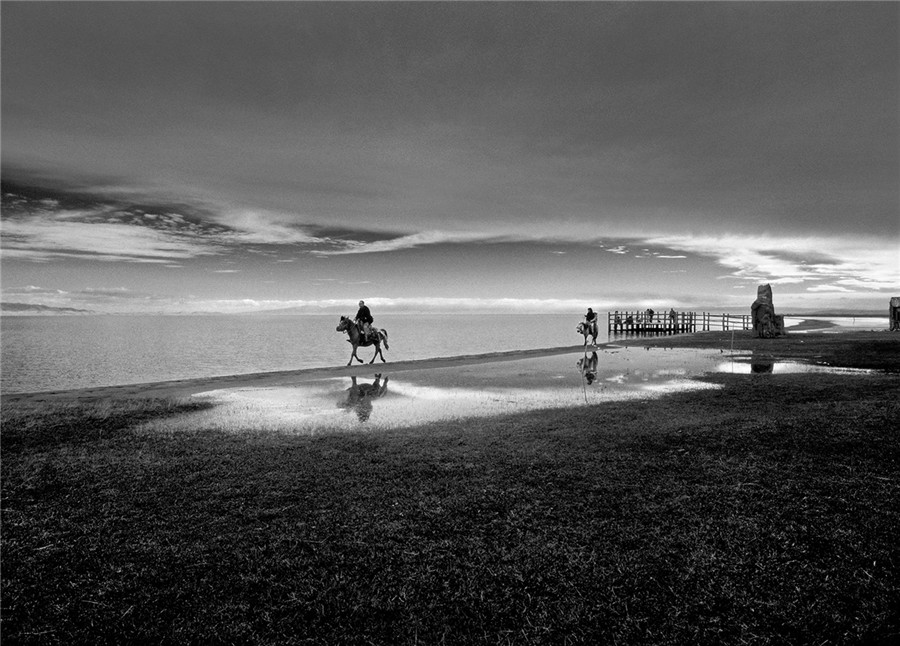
645	323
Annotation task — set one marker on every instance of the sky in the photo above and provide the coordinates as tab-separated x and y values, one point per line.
172	157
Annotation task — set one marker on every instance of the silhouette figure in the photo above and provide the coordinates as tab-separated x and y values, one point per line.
352	328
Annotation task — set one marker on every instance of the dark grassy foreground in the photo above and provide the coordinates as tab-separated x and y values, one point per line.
766	512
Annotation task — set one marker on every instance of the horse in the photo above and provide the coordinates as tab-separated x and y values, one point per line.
588	330
350	326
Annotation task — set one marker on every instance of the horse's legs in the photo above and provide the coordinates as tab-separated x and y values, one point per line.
378	353
353	356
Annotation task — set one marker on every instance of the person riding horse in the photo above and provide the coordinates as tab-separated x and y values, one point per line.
590	321
364	319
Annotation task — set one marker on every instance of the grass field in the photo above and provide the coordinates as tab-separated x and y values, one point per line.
764	512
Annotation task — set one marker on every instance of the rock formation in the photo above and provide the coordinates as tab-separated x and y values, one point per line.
766	323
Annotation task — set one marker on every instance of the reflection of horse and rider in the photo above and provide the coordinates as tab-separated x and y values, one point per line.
362	333
360	396
588	367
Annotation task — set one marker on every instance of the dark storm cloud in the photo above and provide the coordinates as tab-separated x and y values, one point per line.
753	141
675	114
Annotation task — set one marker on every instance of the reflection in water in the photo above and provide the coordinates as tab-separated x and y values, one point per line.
475	390
754	367
359	396
588	367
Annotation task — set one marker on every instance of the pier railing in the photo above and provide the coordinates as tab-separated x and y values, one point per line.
636	322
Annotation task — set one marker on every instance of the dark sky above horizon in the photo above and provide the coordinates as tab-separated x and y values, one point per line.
312	153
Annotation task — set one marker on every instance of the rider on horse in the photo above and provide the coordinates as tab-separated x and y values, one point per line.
590	321
364	319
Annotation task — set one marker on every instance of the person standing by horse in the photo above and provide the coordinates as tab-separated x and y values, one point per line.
364	319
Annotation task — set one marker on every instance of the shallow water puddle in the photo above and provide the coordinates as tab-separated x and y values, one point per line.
387	400
744	365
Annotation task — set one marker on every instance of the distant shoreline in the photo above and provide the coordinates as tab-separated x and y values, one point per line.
24	309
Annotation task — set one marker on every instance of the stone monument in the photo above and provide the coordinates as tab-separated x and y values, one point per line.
894	313
766	323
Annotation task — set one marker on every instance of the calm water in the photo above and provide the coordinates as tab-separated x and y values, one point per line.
390	400
62	352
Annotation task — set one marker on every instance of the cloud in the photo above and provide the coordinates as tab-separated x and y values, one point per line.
32	289
107	291
400	305
42	240
127	225
46	226
258	226
424	238
97	299
121	300
829	288
42	229
868	263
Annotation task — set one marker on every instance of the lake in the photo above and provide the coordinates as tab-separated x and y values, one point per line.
64	352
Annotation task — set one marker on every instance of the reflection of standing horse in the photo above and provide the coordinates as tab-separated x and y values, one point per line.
356	339
588	329
588	367
360	396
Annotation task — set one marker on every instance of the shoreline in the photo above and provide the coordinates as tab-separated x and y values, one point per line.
186	387
844	348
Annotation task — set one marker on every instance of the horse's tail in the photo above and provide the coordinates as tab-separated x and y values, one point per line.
384	336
